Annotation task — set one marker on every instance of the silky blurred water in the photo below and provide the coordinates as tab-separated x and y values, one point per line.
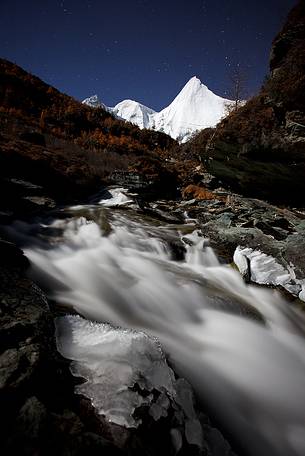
241	347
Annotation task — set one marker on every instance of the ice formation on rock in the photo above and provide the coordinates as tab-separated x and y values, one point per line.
123	370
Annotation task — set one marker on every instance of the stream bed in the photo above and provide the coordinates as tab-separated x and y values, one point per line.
146	294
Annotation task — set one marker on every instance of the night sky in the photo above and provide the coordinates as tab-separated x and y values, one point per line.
140	49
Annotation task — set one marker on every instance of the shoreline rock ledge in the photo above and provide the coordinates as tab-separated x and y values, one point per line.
39	410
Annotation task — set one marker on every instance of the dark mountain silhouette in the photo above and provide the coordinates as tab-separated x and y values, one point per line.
260	149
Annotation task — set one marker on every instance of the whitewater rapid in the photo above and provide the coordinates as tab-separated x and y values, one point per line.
240	346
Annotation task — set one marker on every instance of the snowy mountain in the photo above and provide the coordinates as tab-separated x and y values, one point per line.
194	108
134	112
94	102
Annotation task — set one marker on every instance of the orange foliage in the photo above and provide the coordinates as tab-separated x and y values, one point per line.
199	193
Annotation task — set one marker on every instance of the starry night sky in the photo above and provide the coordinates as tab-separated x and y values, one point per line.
140	49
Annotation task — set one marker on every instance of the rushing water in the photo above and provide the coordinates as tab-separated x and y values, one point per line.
241	347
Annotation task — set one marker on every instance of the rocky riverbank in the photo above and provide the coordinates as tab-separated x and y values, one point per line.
39	412
230	221
55	151
259	149
42	415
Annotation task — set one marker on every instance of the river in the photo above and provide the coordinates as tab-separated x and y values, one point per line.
240	346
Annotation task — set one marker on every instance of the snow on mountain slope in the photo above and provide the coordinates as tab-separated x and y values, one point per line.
134	112
94	102
194	108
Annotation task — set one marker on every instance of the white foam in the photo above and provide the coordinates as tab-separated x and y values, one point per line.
251	374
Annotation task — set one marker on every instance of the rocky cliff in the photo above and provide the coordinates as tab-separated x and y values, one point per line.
259	150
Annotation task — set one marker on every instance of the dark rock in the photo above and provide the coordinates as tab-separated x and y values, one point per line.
131	180
34	204
209	180
22	198
11	255
33	137
293	252
6	216
39	413
283	223
259	150
246	223
218	445
31	426
278	233
187	241
256	224
150	182
225	219
24	187
160	214
177	249
190	202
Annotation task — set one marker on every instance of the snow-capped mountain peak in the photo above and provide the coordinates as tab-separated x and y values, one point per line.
193	84
94	102
134	112
194	108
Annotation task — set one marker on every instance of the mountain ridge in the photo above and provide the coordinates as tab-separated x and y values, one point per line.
194	108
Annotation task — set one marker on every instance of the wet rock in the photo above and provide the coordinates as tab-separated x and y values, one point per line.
225	219
187	241
278	233
23	198
219	446
11	255
140	389
259	226
149	179
190	202
160	214
293	252
24	187
177	249
131	180
38	411
6	216
36	204
31	425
